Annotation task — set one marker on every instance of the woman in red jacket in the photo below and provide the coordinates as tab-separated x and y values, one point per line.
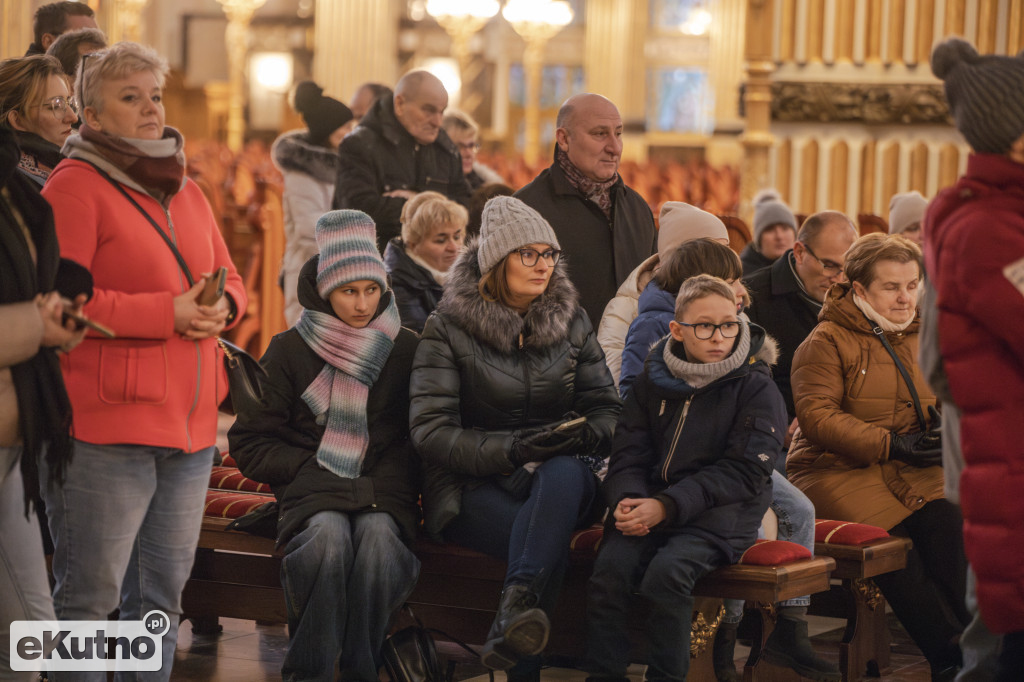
126	520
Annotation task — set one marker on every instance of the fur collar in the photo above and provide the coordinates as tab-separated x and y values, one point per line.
546	323
293	151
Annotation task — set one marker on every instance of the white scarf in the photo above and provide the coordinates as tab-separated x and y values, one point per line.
876	317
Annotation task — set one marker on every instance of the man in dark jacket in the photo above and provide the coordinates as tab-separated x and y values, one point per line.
56	18
786	298
605	228
398	150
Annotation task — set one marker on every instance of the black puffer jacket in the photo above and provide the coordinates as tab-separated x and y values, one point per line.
706	453
380	156
473	384
277	444
600	253
416	291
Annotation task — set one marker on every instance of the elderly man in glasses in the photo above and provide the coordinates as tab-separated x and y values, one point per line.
787	297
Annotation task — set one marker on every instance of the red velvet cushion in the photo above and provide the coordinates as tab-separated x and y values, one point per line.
227	460
230	478
845	533
229	505
584	543
773	553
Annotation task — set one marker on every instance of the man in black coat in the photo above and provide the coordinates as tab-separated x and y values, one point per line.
398	150
605	228
786	297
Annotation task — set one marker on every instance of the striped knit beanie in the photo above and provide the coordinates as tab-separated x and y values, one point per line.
985	94
347	241
506	225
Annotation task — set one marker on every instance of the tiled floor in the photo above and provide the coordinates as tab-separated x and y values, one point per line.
246	652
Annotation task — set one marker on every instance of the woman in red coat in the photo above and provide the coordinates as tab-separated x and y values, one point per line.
126	520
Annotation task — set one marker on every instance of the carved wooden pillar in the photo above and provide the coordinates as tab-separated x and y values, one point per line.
757	137
356	41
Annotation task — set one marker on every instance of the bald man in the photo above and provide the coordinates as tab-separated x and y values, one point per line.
605	229
398	150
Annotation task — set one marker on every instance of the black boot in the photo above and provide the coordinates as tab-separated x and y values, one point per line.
519	629
789	647
723	653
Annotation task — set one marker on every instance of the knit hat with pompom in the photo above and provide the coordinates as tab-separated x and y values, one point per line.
323	115
985	94
770	210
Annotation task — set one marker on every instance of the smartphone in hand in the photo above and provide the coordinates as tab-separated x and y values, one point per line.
214	287
83	321
570	425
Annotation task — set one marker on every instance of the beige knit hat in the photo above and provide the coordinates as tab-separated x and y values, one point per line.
905	209
679	223
506	225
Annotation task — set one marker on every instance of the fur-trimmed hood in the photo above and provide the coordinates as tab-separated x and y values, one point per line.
546	323
293	151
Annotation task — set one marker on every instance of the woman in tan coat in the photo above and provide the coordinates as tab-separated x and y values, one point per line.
866	451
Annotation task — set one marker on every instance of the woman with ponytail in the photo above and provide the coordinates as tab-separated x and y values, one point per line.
332	439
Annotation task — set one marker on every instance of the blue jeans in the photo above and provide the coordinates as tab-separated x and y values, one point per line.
24	590
344	577
796	524
125	526
532	535
663	568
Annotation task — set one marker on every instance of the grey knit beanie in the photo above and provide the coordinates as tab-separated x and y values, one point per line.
905	209
985	94
770	210
506	225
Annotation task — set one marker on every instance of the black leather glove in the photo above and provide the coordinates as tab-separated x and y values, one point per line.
934	419
539	445
921	449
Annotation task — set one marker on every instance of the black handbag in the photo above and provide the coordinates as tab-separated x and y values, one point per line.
244	374
244	371
410	655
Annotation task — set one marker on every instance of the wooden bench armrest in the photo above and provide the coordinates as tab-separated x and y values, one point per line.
214	535
767	584
867	560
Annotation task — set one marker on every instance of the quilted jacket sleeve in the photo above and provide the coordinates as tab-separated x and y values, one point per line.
435	421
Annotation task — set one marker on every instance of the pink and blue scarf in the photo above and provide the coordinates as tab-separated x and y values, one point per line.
354	359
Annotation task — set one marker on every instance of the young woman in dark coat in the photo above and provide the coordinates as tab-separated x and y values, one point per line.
332	439
506	357
688	479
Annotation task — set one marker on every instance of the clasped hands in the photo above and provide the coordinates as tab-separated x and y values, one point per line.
636	516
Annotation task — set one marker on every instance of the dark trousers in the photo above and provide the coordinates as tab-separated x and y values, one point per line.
928	595
663	568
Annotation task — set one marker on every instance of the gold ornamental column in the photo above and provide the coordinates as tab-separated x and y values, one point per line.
757	137
121	20
613	64
537	22
461	19
355	41
239	13
15	28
